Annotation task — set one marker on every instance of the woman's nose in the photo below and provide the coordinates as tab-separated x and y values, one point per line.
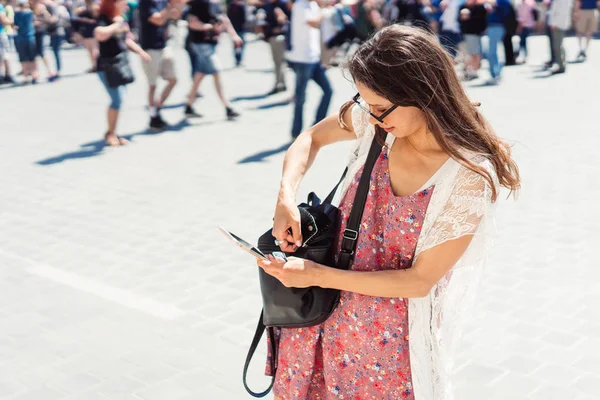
373	120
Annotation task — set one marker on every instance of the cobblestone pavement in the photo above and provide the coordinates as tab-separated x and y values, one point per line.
115	284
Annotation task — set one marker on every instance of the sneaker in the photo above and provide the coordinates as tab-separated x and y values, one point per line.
191	113
157	124
469	76
8	79
231	113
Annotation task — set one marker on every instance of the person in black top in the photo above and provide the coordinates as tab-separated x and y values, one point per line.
114	37
410	12
473	23
85	18
277	18
155	16
236	12
205	22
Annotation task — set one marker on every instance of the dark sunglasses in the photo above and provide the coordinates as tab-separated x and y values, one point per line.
379	118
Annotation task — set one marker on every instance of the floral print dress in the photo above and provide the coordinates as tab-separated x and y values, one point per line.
362	350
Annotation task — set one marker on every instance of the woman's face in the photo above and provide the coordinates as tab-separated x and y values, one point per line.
402	122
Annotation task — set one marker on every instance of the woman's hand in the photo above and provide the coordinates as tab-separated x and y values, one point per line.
296	272
287	217
145	57
123	28
237	41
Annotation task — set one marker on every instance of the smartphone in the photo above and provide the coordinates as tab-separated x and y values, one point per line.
243	244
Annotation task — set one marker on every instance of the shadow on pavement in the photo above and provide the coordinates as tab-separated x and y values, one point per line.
41	82
95	148
260	71
250	97
176	105
261	156
272	105
171	106
543	75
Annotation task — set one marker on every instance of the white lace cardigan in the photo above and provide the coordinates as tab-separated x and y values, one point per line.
460	205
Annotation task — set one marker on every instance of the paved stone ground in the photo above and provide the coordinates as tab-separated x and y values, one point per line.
115	284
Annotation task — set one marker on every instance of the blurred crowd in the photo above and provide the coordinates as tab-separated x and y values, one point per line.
308	36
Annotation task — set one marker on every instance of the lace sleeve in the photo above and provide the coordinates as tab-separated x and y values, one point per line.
360	121
468	202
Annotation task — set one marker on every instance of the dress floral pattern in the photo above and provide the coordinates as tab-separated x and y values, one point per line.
362	350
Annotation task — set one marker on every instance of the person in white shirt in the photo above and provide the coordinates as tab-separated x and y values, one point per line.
305	59
450	36
560	22
330	26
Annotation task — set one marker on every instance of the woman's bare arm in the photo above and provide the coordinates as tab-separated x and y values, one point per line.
298	160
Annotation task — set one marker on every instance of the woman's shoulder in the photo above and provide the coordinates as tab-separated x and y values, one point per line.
360	122
476	181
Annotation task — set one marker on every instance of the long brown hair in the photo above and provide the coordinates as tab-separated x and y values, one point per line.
408	67
109	8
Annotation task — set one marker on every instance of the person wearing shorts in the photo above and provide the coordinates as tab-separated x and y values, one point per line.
154	19
25	40
205	21
586	22
473	23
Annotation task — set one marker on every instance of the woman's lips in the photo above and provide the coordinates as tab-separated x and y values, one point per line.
389	129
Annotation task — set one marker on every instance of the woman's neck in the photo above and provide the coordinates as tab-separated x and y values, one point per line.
420	145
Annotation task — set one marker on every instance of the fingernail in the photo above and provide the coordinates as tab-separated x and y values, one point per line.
298	243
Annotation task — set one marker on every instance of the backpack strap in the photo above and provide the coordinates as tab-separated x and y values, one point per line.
260	329
330	196
350	235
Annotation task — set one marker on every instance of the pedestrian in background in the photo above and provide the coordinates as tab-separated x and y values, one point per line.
25	41
41	21
59	20
236	12
9	11
496	17
305	59
277	24
560	22
154	36
473	23
450	36
114	38
586	23
206	21
526	18
5	21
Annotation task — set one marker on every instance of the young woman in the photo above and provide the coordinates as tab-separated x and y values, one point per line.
114	37
423	236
